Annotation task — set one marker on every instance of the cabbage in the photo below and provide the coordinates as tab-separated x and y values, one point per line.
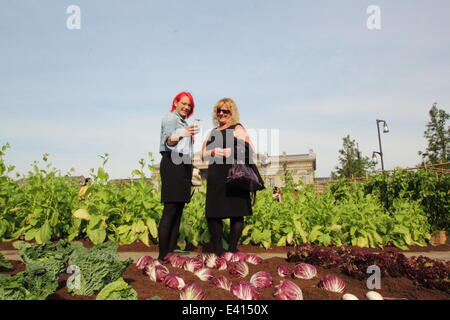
261	280
99	266
245	291
332	283
238	269
305	271
287	290
192	292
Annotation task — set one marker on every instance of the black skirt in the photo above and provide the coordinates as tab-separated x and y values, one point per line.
223	201
175	180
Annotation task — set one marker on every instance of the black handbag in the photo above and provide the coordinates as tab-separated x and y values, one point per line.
243	177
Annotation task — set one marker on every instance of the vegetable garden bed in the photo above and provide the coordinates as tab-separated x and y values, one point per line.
391	287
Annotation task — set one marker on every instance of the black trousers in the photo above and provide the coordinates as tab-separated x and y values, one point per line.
215	227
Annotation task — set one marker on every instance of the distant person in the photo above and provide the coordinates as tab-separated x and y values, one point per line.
175	169
277	194
228	139
83	188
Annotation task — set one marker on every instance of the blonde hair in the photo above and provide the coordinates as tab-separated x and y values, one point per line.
230	105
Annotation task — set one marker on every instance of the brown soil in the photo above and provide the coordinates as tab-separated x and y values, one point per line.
401	288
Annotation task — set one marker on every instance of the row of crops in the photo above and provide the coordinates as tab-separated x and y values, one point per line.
399	210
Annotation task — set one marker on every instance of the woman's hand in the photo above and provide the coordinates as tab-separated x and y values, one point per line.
181	133
220	152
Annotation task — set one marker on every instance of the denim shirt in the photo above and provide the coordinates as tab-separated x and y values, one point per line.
171	123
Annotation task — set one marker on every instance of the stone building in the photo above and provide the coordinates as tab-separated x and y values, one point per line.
271	168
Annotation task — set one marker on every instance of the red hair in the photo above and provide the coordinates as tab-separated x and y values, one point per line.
178	98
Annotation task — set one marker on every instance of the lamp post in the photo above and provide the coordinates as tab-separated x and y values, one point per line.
385	130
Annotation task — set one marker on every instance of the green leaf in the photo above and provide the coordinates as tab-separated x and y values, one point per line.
97	236
281	242
151	225
247	229
45	233
314	234
30	234
144	238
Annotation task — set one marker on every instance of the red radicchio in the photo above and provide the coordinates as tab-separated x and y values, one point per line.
174	281
261	280
222	282
227	256
204	274
143	261
210	260
192	292
245	291
238	256
158	273
284	271
305	271
288	290
332	283
193	264
253	259
221	264
238	269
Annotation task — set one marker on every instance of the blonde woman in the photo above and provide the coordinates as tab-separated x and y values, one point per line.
227	143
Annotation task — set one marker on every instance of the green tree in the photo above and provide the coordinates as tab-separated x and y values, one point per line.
438	136
351	162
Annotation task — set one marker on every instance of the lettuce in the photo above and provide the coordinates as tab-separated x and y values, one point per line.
117	290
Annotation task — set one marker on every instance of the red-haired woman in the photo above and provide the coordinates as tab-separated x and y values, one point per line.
175	169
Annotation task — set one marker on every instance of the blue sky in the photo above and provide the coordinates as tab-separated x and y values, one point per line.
310	69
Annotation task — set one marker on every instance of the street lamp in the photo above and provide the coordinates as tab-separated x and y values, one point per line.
385	130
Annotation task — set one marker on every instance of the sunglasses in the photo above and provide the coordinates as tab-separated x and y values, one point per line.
224	111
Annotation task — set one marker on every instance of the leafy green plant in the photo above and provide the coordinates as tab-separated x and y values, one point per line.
117	290
98	267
